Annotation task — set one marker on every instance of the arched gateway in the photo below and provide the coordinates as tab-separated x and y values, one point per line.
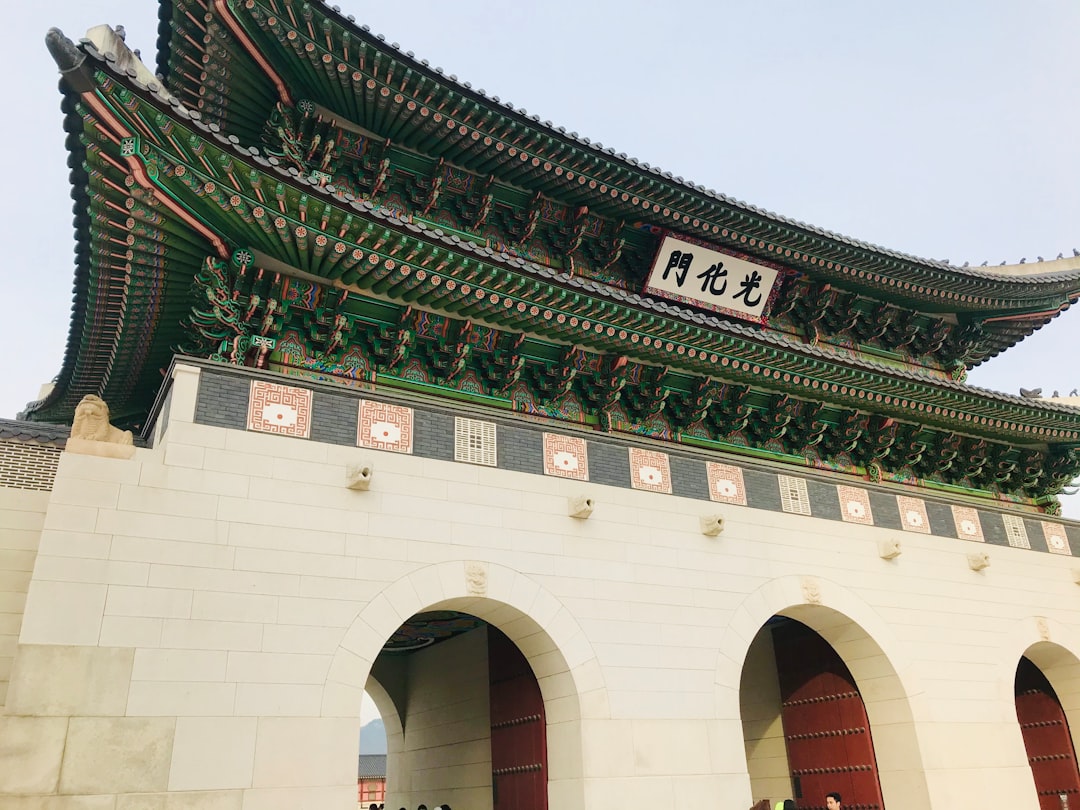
815	682
465	681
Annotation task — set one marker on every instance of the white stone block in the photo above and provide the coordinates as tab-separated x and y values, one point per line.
31	749
179	665
165	477
85	492
316	612
211	635
304	752
295	562
217	579
181	699
297	639
280	538
106	572
58	680
277	668
165	603
234	607
183	455
117	755
278	700
63	613
160	527
97	469
63	517
128	631
86	545
183	393
213	753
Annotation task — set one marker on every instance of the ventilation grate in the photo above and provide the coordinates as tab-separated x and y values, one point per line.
1015	531
474	441
793	495
27	465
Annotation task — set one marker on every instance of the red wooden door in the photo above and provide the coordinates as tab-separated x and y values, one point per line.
1047	739
825	727
518	729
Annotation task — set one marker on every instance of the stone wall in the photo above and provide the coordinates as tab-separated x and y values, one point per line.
27	470
22	514
202	619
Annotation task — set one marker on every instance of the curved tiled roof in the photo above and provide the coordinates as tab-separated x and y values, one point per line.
37	432
1063	274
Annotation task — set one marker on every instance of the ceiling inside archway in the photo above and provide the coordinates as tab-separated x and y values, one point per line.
425	629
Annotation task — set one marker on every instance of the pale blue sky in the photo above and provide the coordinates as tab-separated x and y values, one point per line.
943	129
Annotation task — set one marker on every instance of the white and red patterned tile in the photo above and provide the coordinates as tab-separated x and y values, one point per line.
650	470
566	456
281	409
855	505
726	483
913	515
967	523
1056	540
383	426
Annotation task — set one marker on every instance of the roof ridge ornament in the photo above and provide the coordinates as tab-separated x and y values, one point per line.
64	52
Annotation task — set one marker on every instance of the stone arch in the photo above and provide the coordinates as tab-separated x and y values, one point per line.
1052	647
1055	649
556	647
868	648
395	733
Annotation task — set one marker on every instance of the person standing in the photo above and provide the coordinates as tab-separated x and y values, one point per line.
832	800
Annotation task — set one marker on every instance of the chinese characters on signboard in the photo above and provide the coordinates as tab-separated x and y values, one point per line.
698	275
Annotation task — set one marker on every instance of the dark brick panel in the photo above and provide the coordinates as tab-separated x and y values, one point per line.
222	401
609	464
993	528
334	418
824	501
1035	535
886	512
941	519
520	450
689	479
1071	534
434	435
762	490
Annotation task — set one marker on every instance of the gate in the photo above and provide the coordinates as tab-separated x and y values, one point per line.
518	729
1047	739
827	733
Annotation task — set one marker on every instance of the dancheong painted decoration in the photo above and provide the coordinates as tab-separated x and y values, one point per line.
300	196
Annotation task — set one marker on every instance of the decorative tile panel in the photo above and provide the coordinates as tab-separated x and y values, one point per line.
281	409
1056	539
382	426
566	456
913	515
1016	531
650	470
475	441
855	505
726	483
793	495
967	523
